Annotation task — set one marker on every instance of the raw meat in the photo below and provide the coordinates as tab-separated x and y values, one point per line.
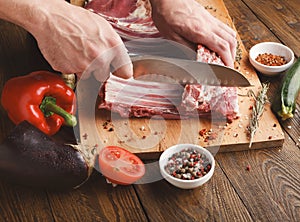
206	99
208	56
113	8
130	18
137	98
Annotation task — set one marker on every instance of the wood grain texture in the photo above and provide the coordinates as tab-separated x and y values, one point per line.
207	203
19	203
273	20
270	189
282	19
253	31
97	201
268	192
274	175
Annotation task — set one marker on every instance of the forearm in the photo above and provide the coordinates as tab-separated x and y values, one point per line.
29	14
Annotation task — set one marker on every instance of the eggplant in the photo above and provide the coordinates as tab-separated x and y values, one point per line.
29	157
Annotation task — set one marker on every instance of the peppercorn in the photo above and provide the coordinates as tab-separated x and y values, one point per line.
188	164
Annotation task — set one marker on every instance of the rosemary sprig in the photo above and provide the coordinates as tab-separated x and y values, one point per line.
258	109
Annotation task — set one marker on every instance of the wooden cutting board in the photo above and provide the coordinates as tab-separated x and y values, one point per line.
149	137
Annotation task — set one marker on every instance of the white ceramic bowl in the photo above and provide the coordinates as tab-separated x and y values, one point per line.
275	49
185	184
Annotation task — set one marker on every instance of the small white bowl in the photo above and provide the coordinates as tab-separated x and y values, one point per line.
275	49
180	183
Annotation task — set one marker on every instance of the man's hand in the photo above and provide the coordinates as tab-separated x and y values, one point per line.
189	23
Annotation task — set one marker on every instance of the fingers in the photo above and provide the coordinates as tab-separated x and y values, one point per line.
228	35
121	64
224	50
124	71
220	39
224	45
111	58
114	59
214	34
226	28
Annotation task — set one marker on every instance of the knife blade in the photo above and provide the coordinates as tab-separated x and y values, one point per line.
173	70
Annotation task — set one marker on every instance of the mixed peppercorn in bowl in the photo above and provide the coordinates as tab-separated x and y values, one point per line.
187	166
271	58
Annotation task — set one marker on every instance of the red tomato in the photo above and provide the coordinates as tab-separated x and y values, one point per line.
120	166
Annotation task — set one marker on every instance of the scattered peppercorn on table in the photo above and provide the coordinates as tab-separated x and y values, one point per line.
253	185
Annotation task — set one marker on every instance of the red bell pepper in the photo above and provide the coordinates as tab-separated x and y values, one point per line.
41	98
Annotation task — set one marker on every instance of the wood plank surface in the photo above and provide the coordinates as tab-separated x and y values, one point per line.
281	19
97	201
269	191
272	181
278	19
253	27
273	191
214	201
18	203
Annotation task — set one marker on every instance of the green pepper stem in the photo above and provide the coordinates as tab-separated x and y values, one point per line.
70	120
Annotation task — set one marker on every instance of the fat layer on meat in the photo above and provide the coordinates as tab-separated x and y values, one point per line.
137	98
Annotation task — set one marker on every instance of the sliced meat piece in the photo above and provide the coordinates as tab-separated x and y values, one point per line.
113	8
137	98
130	18
205	99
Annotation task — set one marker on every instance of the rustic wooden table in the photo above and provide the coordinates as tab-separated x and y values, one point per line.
268	192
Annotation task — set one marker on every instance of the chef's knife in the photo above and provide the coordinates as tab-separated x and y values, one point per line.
173	70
